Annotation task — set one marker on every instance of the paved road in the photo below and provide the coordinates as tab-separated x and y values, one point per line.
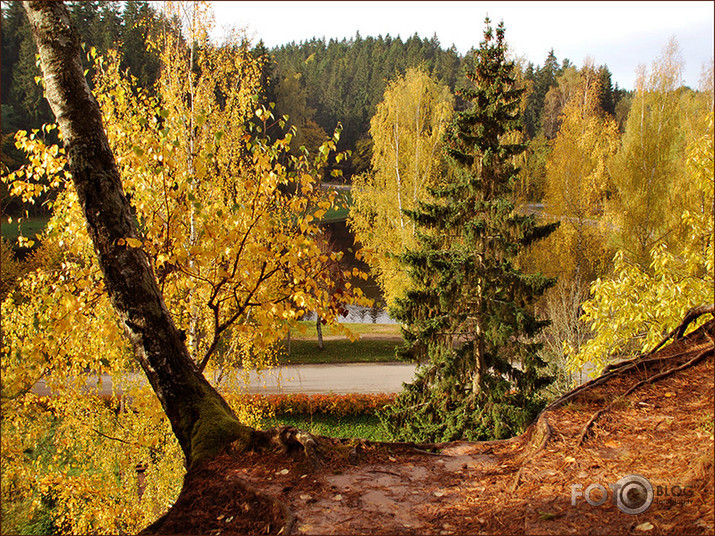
340	379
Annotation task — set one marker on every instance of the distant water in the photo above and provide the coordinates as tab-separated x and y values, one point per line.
361	315
343	240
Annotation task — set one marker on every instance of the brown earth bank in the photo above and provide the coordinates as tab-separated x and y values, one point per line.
652	417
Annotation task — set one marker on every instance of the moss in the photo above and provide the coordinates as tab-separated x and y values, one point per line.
214	430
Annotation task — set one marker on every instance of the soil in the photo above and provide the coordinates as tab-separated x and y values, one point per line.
535	483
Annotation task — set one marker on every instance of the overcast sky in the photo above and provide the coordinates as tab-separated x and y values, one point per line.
619	34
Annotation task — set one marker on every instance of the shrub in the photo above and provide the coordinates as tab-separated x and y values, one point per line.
329	404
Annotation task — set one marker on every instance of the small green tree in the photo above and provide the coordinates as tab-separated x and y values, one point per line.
468	309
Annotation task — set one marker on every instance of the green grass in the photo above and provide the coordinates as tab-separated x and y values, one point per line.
306	330
30	227
340	213
339	351
363	426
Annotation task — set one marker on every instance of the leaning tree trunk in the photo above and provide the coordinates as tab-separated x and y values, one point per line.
200	418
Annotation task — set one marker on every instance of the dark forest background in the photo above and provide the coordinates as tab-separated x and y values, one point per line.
317	83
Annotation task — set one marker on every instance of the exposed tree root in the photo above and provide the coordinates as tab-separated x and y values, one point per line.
544	429
690	317
618	369
287	439
694	361
641	360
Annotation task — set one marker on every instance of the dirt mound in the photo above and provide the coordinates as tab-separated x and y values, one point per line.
213	504
629	452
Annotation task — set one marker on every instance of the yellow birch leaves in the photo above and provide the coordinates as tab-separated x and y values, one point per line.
407	132
636	306
231	224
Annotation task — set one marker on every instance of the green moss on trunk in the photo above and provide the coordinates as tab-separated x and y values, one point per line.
215	429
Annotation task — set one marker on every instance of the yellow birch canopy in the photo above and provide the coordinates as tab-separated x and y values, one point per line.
231	223
407	132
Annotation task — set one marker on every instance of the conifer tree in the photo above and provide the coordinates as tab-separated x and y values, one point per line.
467	315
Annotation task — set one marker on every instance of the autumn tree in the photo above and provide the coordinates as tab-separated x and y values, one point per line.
663	266
162	234
101	24
556	99
407	133
577	183
630	310
345	80
291	103
647	171
577	186
467	312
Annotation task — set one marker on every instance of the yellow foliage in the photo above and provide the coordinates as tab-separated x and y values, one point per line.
633	309
231	226
577	182
407	132
650	186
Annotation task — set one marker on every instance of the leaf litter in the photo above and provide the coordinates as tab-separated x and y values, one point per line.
531	484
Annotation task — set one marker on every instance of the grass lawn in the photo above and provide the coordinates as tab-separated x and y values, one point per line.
339	351
30	227
306	330
362	426
344	200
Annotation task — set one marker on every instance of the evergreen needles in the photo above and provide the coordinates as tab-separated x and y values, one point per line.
468	314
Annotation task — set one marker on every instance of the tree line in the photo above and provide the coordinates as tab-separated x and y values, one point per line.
321	83
105	25
318	83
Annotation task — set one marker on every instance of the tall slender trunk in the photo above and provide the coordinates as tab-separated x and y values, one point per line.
200	418
396	146
194	320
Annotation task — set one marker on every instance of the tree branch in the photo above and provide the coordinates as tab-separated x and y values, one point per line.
200	418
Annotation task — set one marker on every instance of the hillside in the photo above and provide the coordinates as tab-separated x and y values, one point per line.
654	419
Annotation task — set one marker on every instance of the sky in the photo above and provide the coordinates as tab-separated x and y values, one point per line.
619	34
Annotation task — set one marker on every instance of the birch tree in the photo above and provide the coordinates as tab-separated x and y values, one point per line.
578	182
159	225
407	132
648	170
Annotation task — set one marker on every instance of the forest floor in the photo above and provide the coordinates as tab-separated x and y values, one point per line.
633	421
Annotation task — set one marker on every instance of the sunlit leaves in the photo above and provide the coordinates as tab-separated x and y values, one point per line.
649	183
407	132
632	310
231	225
577	184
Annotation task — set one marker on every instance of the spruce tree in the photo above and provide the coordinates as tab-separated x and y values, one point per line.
468	316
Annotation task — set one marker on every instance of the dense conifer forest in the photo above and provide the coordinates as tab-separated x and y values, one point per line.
318	83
